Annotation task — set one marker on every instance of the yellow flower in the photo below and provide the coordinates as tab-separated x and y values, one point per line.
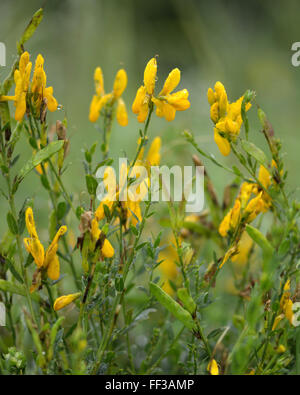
107	249
167	103
281	349
222	143
244	247
226	117
212	368
264	177
21	78
130	208
231	219
100	99
286	306
65	300
38	87
47	261
254	207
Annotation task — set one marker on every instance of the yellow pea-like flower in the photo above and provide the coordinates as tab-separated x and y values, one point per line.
150	76
39	89
225	225
107	249
226	116
120	83
254	207
281	349
101	99
222	143
65	300
264	177
122	116
212	368
167	103
47	261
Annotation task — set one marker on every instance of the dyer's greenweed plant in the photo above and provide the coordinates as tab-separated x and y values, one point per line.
139	304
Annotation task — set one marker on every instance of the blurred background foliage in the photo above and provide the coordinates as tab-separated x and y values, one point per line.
243	44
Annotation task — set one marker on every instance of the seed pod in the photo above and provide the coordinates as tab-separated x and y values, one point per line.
187	300
170	304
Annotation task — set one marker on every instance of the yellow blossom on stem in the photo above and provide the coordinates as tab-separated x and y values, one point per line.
38	87
65	300
226	117
46	261
107	249
167	103
21	78
100	99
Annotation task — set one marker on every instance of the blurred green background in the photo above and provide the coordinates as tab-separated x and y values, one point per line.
242	44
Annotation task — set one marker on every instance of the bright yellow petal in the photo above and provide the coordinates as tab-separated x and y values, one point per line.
150	76
222	143
171	82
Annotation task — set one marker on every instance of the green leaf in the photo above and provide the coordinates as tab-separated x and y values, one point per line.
41	156
255	152
30	29
170	304
91	184
61	210
12	224
17	289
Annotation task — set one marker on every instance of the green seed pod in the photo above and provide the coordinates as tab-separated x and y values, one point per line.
260	239
187	300
169	303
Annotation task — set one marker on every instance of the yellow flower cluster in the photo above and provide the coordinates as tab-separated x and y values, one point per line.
226	117
37	91
46	262
244	209
130	208
100	99
167	103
